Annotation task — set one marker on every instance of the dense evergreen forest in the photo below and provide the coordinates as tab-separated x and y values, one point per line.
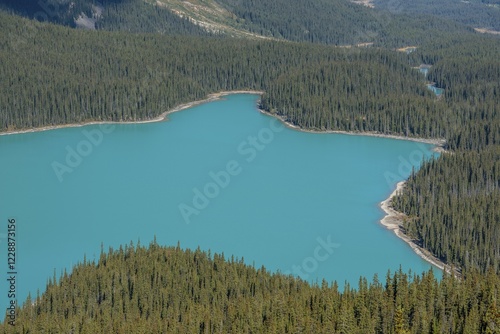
337	22
126	15
333	23
139	16
475	13
66	76
170	290
461	192
452	203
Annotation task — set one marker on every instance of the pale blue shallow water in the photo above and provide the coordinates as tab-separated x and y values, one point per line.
436	90
291	201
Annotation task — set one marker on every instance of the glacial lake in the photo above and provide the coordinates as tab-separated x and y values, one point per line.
220	176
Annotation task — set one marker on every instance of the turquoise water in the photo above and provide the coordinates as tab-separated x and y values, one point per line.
220	176
435	90
424	71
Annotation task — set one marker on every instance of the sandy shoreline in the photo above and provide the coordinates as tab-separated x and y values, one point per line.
162	117
439	143
393	220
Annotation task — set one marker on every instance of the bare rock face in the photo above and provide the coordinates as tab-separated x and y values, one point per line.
85	22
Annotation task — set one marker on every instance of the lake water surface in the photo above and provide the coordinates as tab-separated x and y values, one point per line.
221	176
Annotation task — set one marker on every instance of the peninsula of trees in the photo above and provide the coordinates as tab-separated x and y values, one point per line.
156	289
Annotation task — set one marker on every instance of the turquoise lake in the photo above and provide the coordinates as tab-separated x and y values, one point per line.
221	176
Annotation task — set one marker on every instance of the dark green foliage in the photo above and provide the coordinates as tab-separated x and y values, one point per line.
402	30
338	22
453	208
475	13
320	21
139	16
168	290
125	15
67	76
453	202
383	95
390	99
55	11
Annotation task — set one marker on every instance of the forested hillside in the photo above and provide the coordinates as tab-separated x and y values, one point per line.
467	115
453	207
138	16
169	290
337	22
475	13
125	15
322	21
453	202
66	76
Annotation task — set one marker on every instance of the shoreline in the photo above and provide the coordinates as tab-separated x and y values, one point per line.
162	117
438	143
393	221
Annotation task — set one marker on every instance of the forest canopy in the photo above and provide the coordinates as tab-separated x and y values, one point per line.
156	289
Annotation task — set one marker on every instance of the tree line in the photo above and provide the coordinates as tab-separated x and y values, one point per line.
452	207
478	14
53	75
157	289
452	202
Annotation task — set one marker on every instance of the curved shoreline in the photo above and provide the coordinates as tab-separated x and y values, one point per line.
393	220
438	143
160	118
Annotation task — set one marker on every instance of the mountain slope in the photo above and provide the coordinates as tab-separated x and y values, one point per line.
474	13
337	22
124	15
210	16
